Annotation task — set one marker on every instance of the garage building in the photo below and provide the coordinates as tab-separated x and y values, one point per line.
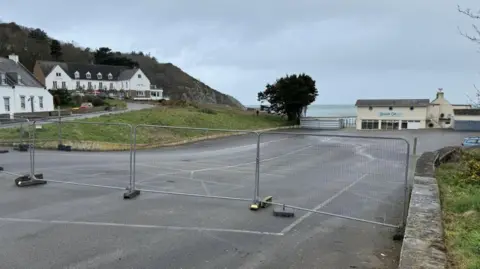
466	119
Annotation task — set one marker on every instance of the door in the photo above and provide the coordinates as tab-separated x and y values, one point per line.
413	125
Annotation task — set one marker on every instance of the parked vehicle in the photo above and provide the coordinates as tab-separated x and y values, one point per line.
472	141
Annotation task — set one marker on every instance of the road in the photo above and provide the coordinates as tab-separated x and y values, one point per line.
62	225
130	107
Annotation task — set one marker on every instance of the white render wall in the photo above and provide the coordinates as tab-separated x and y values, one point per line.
15	99
135	83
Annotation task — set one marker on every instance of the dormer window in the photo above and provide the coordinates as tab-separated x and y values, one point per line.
99	75
110	76
77	74
88	75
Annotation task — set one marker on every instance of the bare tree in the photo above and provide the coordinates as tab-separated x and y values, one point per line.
475	16
475	37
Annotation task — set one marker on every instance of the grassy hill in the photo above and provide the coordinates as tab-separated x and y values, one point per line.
34	44
108	137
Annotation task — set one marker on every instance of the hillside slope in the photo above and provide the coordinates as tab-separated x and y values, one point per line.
34	44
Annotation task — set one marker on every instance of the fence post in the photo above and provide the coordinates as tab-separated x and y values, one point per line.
415	141
131	191
31	179
59	127
406	187
256	194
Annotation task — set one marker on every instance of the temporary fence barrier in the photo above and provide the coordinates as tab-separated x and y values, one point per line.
360	178
193	174
87	168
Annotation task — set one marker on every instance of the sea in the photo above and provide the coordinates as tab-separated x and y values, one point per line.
328	110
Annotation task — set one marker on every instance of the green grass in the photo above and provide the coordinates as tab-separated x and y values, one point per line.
460	196
200	117
116	102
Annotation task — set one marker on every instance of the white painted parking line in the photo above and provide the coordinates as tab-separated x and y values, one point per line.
320	206
136	226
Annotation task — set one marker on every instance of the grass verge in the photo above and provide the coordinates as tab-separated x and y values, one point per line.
114	137
460	196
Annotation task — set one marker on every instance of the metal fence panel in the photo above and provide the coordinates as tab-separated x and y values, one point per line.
205	169
85	166
15	144
352	177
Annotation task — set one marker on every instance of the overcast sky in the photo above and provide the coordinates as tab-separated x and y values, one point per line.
352	48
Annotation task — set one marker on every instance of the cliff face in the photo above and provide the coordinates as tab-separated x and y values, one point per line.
34	44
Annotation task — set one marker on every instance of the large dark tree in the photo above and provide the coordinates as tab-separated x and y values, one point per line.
56	49
106	56
289	95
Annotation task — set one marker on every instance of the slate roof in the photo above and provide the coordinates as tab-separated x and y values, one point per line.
467	112
12	70
393	102
118	72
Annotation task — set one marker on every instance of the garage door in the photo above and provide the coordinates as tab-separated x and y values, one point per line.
413	125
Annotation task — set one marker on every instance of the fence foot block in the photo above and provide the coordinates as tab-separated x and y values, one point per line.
63	147
21	147
255	206
284	212
4	151
1	168
27	181
131	194
399	234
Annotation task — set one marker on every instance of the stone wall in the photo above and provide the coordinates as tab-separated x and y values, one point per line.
423	244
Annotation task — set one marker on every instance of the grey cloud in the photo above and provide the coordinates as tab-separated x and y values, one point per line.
357	49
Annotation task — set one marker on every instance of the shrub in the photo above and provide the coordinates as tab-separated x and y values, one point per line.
471	167
208	111
97	101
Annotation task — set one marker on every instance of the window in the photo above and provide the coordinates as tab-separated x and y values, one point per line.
77	75
89	85
140	93
155	94
390	108
22	102
100	85
139	75
111	86
126	84
40	101
369	124
6	103
58	74
55	85
99	75
110	76
390	124
64	85
78	85
88	75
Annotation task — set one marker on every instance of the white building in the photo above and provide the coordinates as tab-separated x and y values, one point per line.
398	114
20	91
84	77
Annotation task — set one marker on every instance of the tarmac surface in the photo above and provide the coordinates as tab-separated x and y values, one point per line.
82	221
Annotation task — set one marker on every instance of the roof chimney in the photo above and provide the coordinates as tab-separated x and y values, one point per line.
440	93
13	57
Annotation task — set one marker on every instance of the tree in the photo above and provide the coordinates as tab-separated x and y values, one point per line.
474	38
290	95
106	56
473	15
56	49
